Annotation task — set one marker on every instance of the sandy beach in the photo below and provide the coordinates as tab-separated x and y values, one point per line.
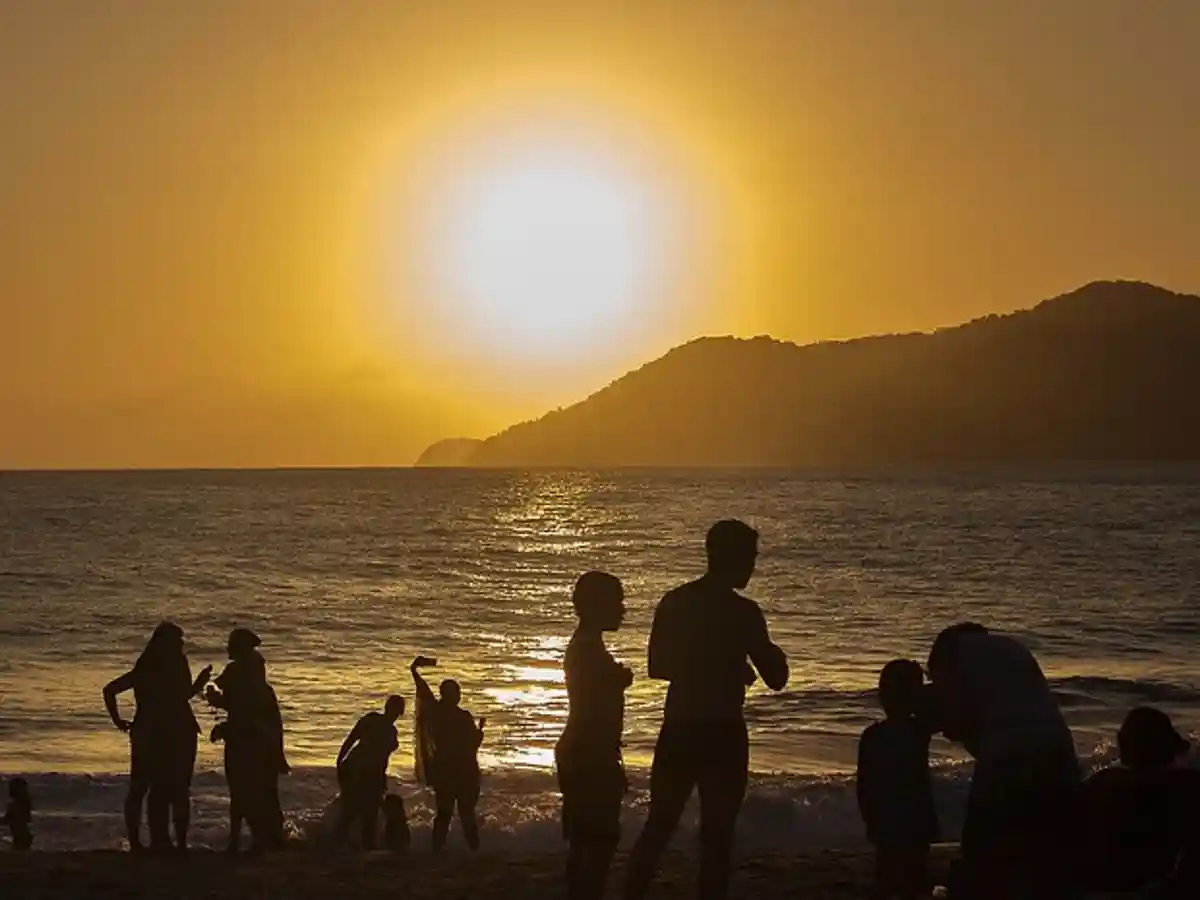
298	876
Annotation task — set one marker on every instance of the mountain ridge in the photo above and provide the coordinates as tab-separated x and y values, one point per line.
1087	375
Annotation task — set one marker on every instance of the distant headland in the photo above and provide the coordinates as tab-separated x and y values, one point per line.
1109	372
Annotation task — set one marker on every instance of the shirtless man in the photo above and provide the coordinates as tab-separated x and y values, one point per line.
707	641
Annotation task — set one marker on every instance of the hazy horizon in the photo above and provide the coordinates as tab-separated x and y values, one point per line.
288	234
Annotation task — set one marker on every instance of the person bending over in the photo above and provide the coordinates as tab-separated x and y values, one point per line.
362	765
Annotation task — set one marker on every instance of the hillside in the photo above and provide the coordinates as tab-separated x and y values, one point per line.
449	453
1107	372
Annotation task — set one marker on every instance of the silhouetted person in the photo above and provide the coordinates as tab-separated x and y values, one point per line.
396	834
18	814
253	736
894	788
1139	817
703	641
591	774
450	740
162	737
993	698
362	769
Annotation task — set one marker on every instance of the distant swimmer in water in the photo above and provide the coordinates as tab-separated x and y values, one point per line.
448	741
18	815
707	640
591	775
362	769
162	737
253	736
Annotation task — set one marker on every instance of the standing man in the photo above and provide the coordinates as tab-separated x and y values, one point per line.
707	641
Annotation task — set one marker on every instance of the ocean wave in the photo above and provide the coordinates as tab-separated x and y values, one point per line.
1075	689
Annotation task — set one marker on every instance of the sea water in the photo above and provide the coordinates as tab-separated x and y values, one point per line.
347	575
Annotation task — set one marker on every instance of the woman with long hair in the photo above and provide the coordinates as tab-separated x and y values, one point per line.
162	737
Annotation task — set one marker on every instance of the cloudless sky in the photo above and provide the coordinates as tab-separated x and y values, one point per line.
196	198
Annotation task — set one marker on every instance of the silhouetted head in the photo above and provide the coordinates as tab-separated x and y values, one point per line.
394	707
732	548
167	635
451	692
900	685
599	601
242	642
18	791
1148	740
945	648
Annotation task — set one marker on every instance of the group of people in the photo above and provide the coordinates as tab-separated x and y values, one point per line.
164	734
1034	828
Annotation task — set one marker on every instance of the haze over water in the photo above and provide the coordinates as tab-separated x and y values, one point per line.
349	574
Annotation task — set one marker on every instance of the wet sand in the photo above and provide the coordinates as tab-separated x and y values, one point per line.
207	875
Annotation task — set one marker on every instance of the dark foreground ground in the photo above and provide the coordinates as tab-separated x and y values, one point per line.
297	876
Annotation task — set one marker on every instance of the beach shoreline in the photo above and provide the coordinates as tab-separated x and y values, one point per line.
208	875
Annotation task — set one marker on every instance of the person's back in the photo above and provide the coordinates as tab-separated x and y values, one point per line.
377	740
457	739
703	637
1017	712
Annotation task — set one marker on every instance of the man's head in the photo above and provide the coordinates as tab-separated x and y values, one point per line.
394	707
451	692
599	601
732	548
943	654
900	685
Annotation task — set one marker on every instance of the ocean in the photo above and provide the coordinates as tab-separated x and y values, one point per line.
347	575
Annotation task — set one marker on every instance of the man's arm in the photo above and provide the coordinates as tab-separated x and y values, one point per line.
768	658
352	738
664	650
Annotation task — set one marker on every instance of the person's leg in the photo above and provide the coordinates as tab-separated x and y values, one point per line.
444	801
467	801
722	783
181	799
672	778
369	819
134	801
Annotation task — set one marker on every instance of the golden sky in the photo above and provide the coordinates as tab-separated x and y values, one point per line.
211	213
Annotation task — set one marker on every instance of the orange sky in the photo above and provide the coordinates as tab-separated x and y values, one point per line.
195	199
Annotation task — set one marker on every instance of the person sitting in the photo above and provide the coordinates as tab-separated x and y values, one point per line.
362	769
18	815
895	792
1141	816
448	741
396	834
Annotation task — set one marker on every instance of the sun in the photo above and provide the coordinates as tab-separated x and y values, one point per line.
544	251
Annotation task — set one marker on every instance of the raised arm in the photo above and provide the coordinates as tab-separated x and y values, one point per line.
111	691
768	658
424	692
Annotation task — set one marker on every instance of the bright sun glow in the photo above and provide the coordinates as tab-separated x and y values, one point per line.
546	253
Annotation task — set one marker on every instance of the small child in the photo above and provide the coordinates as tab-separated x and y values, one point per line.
19	814
396	834
895	792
